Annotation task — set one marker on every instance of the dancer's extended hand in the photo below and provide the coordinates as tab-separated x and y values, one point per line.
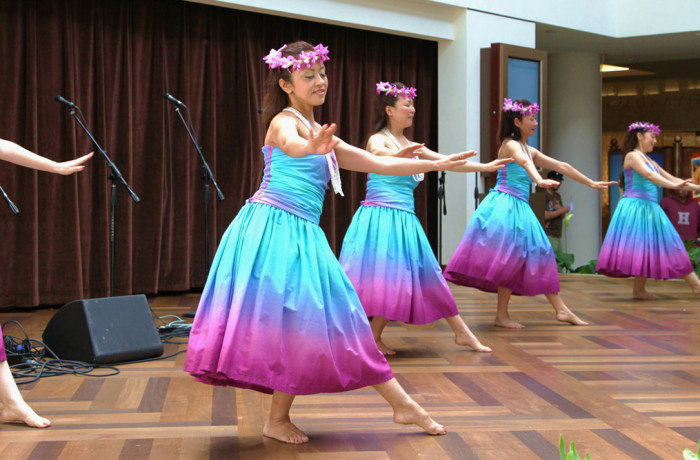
598	184
470	153
683	183
322	141
452	161
72	166
548	183
410	151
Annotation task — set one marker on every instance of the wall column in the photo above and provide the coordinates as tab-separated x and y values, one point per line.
575	123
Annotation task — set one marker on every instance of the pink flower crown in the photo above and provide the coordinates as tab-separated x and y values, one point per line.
645	126
510	106
306	58
392	90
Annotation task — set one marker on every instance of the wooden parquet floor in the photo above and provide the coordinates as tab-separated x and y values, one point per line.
625	387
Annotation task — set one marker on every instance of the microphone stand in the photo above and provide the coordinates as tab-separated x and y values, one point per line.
115	176
207	176
12	206
442	205
476	192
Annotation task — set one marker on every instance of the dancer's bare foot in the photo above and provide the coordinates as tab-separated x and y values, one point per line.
507	323
696	289
469	339
22	413
413	414
646	295
567	316
285	431
386	351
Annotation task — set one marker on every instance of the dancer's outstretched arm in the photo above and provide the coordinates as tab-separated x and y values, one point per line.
355	159
684	184
9	151
542	160
636	162
470	166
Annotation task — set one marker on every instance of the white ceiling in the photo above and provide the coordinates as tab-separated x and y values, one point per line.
621	51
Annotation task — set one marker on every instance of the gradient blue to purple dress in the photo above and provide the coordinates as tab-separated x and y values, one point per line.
641	240
277	311
389	260
504	244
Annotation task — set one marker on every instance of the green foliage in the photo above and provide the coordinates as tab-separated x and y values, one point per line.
565	262
572	454
589	268
690	455
694	254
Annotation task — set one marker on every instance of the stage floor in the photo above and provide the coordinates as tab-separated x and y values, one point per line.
627	386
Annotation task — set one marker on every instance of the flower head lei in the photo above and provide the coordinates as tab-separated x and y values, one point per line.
510	106
275	60
392	90
645	126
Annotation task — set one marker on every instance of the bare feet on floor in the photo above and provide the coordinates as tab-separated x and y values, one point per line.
413	414
567	316
646	295
386	351
285	431
469	339
22	413
508	323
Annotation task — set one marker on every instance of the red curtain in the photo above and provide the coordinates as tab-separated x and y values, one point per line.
115	60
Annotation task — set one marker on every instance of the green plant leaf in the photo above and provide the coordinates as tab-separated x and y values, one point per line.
589	268
694	254
572	451
565	260
567	219
562	452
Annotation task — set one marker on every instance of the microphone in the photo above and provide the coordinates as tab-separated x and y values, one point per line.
169	97
64	101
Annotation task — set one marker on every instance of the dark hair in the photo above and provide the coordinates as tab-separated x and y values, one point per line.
384	99
556	175
630	141
508	128
628	144
275	98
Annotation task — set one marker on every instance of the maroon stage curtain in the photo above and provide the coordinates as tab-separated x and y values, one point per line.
115	60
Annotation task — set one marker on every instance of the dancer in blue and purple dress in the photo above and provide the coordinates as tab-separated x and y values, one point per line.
385	252
278	314
641	241
14	408
504	248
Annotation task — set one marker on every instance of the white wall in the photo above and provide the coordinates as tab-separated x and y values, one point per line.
574	136
459	67
594	16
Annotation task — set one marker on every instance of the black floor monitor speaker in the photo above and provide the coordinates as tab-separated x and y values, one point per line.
107	330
